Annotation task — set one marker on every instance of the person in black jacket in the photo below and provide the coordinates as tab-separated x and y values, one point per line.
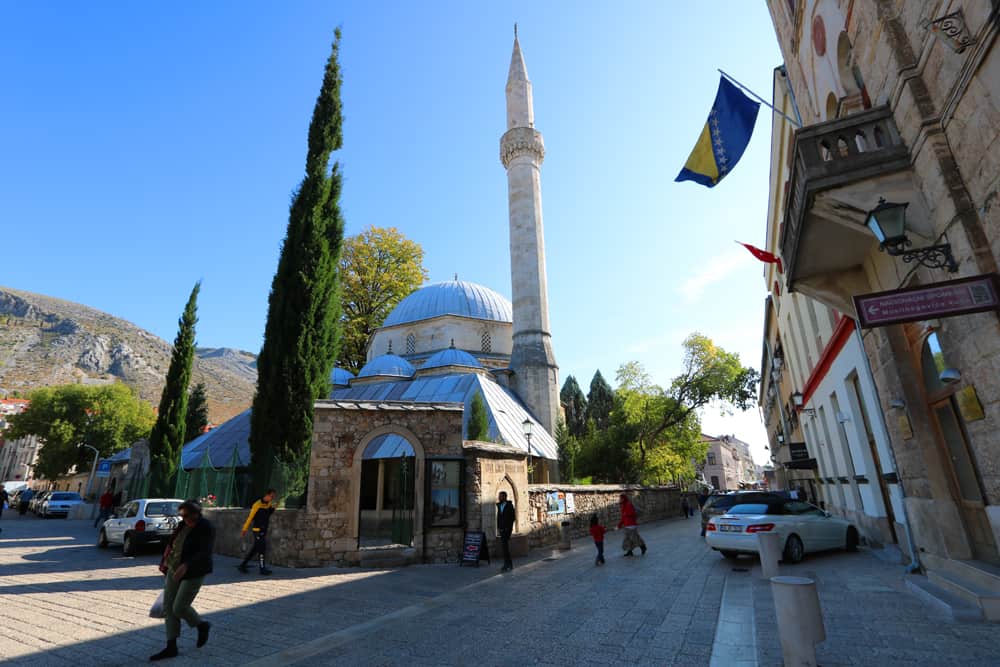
505	526
258	521
186	561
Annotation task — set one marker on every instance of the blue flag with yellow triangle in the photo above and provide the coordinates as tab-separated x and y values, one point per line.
724	137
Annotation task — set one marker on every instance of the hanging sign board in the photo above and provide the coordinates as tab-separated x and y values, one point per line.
926	302
103	469
474	549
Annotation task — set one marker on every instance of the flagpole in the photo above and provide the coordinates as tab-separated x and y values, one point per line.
762	100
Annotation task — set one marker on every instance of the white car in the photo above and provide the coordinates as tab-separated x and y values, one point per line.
804	528
59	503
140	522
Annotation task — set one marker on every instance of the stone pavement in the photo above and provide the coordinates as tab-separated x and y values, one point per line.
63	601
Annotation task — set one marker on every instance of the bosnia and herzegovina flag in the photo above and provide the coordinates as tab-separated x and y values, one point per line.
724	137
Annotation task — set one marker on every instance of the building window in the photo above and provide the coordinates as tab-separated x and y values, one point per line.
711	459
715	482
411	344
487	342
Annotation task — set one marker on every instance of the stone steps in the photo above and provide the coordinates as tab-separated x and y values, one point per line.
975	572
986	600
388	557
946	602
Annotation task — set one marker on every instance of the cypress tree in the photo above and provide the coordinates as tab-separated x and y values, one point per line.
302	333
479	425
600	401
197	413
575	405
167	437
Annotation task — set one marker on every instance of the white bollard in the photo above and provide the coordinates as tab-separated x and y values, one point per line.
769	547
800	619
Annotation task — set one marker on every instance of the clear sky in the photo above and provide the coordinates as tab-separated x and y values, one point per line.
145	147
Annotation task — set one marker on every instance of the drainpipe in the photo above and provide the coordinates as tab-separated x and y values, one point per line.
914	565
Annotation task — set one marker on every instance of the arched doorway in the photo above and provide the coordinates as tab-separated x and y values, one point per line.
388	498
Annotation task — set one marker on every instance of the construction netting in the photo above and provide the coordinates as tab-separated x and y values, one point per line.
211	486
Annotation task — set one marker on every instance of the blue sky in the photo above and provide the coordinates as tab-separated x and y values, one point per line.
148	146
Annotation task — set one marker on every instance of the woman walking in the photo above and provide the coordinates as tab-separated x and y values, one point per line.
628	521
185	563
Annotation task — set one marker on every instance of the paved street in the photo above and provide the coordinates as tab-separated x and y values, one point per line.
65	602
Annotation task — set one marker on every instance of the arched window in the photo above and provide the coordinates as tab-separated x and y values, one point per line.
831	106
411	343
487	341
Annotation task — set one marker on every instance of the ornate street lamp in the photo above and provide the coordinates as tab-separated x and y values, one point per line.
527	426
887	222
798	400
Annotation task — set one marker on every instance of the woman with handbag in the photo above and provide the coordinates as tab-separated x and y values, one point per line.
185	563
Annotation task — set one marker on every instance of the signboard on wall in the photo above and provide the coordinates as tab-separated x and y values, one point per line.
555	502
474	549
103	469
570	504
798	451
946	299
444	479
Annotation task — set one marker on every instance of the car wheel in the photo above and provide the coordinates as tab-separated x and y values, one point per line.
128	545
794	551
731	555
102	540
852	539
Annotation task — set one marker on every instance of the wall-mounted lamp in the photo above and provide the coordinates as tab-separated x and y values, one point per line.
897	404
798	400
887	222
780	438
950	376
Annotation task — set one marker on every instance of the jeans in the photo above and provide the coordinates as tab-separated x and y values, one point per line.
505	547
600	551
177	599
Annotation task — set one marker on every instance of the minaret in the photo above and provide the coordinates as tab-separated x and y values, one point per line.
536	375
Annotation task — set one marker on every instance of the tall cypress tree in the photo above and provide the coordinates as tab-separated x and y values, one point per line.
302	333
600	401
197	413
167	437
575	404
479	423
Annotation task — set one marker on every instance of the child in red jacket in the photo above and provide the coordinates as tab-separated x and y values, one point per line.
597	532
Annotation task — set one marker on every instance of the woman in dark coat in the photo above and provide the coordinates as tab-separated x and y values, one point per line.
185	563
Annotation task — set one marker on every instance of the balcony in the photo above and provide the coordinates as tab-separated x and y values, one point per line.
839	169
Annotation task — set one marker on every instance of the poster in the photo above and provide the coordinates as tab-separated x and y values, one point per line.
570	504
445	502
555	502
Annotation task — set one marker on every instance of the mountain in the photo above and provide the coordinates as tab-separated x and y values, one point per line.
46	341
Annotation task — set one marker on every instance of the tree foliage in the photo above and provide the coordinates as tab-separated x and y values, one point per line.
302	333
108	417
197	413
378	268
569	449
167	437
575	405
479	425
600	401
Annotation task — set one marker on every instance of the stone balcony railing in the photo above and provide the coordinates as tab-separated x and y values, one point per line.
835	154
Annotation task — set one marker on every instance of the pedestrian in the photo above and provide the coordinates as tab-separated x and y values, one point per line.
186	562
505	527
4	498
24	499
257	523
632	537
597	532
685	507
106	502
117	501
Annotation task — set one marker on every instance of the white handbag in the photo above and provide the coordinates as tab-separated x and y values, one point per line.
156	611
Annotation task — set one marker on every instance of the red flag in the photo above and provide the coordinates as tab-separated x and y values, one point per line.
764	256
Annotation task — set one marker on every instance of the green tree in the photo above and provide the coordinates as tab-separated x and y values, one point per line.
378	268
303	318
479	425
569	448
108	417
600	401
197	413
167	437
575	404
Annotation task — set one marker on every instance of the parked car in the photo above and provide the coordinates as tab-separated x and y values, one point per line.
59	503
720	503
141	522
37	500
803	528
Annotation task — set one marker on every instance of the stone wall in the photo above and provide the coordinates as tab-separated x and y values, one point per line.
297	538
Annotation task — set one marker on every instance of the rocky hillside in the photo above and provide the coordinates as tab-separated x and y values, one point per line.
46	341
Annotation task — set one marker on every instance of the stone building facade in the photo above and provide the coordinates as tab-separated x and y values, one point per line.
899	100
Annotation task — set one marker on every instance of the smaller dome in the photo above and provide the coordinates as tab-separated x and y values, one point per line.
387	365
341	377
451	357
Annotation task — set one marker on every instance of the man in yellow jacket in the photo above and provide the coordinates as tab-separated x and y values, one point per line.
257	522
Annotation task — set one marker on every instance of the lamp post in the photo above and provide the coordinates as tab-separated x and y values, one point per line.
527	426
887	222
798	400
93	468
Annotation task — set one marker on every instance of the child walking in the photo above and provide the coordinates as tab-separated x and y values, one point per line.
597	532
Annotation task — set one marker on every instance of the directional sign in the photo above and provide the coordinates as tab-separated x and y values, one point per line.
103	469
947	299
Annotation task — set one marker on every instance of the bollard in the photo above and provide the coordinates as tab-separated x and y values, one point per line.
800	619
564	532
769	547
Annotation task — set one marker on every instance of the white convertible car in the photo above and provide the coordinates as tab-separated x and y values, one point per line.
804	528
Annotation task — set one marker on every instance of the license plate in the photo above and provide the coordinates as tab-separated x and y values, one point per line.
731	529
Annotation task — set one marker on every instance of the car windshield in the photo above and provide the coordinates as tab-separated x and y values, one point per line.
748	508
65	496
162	509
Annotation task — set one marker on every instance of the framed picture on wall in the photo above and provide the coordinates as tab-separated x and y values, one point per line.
444	497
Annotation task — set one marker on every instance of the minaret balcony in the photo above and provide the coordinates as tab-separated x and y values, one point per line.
520	140
839	170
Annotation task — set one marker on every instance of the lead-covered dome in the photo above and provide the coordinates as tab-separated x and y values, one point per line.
387	365
452	297
451	357
341	377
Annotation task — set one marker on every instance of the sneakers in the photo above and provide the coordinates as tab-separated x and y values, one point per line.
265	571
169	652
643	547
629	554
203	629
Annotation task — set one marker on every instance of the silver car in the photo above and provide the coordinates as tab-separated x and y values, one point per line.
140	522
59	503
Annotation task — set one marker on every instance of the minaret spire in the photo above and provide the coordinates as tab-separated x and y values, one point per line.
535	373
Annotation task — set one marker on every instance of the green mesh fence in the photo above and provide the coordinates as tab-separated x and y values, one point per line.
212	487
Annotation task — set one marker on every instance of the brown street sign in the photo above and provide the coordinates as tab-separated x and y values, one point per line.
947	299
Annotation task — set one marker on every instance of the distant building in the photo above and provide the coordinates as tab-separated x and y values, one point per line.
728	465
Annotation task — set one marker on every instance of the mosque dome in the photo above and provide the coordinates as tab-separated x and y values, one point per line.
451	357
452	297
341	377
387	365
